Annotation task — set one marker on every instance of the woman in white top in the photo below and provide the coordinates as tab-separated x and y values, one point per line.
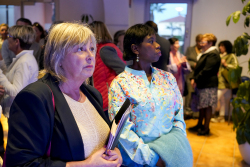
23	70
178	64
58	120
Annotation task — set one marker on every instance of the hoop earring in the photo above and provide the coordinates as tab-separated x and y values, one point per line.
137	59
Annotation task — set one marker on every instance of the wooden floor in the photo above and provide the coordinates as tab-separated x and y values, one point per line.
219	149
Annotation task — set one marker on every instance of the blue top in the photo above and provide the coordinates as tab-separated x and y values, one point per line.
157	108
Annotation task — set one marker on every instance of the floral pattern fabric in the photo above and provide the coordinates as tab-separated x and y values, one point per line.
157	108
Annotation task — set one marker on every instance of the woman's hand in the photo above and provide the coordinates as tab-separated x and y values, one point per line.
223	62
183	59
193	84
160	163
113	155
96	160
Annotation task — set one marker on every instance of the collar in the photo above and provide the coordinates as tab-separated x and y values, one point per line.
22	53
224	54
210	49
138	72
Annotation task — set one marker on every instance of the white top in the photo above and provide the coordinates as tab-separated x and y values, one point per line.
22	71
208	50
94	130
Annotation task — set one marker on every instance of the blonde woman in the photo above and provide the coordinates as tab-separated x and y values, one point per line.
58	120
205	79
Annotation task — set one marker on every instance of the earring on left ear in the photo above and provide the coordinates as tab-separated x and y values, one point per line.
137	59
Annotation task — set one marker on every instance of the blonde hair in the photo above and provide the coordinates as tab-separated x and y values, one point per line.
61	39
4	25
101	32
210	38
26	35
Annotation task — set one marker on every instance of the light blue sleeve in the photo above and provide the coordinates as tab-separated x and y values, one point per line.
133	145
178	118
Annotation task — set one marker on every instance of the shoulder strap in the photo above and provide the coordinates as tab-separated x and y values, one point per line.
53	101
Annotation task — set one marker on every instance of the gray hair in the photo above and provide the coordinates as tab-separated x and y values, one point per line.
26	34
61	39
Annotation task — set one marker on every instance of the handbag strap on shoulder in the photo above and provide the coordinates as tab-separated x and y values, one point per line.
53	101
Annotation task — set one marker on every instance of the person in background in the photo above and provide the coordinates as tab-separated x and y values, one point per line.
178	64
155	133
118	39
165	48
228	61
1	127
58	120
3	36
205	79
23	70
109	62
191	54
41	57
39	34
3	33
8	55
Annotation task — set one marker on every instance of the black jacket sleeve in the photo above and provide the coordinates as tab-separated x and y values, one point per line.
110	58
30	129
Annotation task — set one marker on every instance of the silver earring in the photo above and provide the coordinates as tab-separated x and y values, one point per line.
137	59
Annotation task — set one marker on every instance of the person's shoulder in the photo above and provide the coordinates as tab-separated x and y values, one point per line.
28	59
123	76
163	73
37	88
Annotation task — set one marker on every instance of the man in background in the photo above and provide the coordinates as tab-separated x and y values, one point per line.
165	48
8	55
191	54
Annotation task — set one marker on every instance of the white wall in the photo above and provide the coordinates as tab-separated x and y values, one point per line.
35	13
209	16
72	10
137	12
116	15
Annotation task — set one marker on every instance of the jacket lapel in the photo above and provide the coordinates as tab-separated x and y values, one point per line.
71	129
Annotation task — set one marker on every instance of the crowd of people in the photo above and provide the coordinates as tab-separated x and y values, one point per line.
61	89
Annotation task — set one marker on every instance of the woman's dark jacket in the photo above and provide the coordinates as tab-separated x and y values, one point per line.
33	123
206	70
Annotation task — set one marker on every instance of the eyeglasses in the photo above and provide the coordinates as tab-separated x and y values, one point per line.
10	36
203	42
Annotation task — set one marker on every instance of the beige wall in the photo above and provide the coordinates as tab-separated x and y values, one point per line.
209	16
72	10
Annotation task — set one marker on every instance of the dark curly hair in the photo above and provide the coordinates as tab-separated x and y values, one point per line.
228	45
173	40
135	35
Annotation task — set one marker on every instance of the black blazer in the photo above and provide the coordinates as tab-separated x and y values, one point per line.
165	50
33	123
206	70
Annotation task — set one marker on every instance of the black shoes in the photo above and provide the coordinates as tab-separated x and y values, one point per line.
203	132
196	128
